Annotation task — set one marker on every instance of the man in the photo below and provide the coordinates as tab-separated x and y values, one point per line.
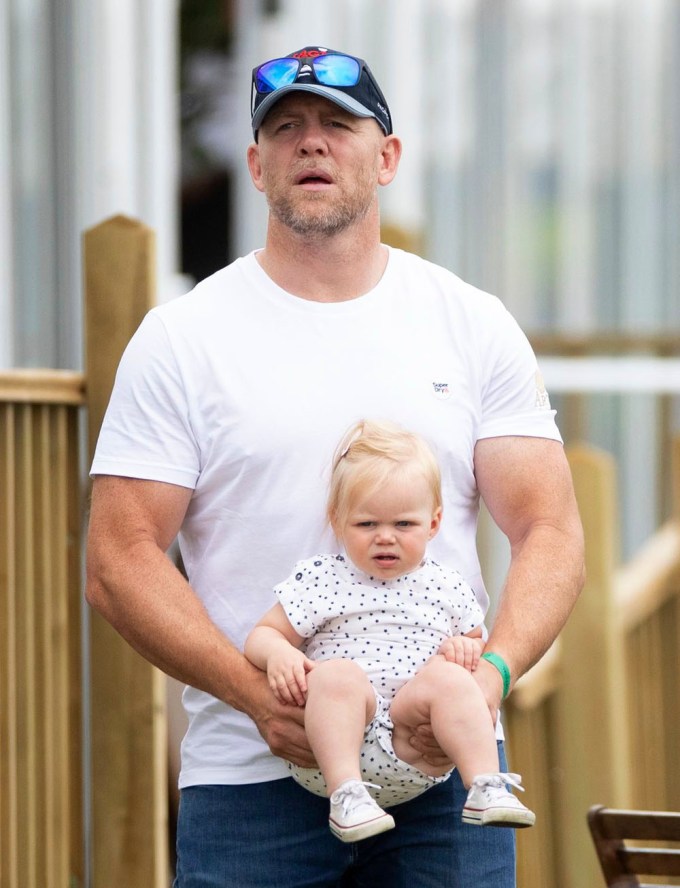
221	427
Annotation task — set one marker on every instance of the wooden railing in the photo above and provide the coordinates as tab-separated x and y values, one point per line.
598	719
41	840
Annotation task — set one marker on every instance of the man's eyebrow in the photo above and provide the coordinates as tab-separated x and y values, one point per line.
281	110
278	112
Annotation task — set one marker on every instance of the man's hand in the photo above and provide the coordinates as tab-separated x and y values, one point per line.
423	741
281	725
489	680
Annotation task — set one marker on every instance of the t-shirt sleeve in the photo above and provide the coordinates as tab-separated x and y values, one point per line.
514	400
146	432
469	613
296	596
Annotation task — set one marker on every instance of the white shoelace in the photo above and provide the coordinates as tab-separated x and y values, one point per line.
354	791
499	779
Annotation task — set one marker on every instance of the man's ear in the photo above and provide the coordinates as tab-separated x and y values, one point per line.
390	156
254	165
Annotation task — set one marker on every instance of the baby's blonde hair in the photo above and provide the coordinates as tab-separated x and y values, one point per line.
373	453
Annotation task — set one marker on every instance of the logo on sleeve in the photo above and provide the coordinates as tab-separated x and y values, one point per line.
542	399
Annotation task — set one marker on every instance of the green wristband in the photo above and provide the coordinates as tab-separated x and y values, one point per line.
500	664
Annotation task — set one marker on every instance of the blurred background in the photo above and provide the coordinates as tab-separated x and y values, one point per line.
541	163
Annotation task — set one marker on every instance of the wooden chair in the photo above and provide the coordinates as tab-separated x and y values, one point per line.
622	862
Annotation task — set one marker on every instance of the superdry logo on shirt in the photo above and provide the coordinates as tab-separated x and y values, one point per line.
441	390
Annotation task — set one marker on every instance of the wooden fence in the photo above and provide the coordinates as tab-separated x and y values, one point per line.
41	840
43	507
597	720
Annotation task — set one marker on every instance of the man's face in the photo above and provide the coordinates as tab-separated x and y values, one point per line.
318	165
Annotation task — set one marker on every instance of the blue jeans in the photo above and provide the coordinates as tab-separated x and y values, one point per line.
276	835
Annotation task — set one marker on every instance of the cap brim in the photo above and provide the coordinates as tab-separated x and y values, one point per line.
327	92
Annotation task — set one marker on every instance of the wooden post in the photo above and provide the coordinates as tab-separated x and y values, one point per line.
591	705
410	239
128	724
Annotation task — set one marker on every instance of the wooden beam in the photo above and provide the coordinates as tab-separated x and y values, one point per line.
42	387
649	579
611	342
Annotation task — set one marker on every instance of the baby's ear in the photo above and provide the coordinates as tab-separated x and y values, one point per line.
333	521
436	522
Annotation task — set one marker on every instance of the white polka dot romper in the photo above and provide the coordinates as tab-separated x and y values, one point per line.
390	628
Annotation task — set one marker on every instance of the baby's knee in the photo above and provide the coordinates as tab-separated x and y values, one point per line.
337	677
445	675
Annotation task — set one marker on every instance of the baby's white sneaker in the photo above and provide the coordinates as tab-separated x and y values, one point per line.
490	802
355	815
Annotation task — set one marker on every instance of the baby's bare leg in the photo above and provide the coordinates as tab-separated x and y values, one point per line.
446	696
340	703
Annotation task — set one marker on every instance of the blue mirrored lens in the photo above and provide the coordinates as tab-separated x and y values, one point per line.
336	70
275	74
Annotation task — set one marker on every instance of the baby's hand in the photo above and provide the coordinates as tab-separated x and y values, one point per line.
462	650
286	671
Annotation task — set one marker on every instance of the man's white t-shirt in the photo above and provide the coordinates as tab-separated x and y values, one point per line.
242	391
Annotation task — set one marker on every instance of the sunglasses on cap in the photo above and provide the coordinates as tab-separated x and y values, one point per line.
333	74
330	69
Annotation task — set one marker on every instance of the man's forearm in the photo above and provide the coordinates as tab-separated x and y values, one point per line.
149	602
544	580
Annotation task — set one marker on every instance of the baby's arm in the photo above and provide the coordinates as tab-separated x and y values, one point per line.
464	649
273	646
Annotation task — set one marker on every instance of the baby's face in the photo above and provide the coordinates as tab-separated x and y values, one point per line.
387	532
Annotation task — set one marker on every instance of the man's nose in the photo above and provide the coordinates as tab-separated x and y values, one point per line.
313	140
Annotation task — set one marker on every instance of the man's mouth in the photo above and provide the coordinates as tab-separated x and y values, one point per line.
314	177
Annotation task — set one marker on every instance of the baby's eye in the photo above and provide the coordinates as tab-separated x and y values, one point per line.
405	523
366	524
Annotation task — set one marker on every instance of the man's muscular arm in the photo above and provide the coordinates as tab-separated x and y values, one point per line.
137	588
527	487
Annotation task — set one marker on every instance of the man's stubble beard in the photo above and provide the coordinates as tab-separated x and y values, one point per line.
314	214
321	220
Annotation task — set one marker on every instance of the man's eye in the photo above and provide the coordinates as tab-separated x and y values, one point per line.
283	124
